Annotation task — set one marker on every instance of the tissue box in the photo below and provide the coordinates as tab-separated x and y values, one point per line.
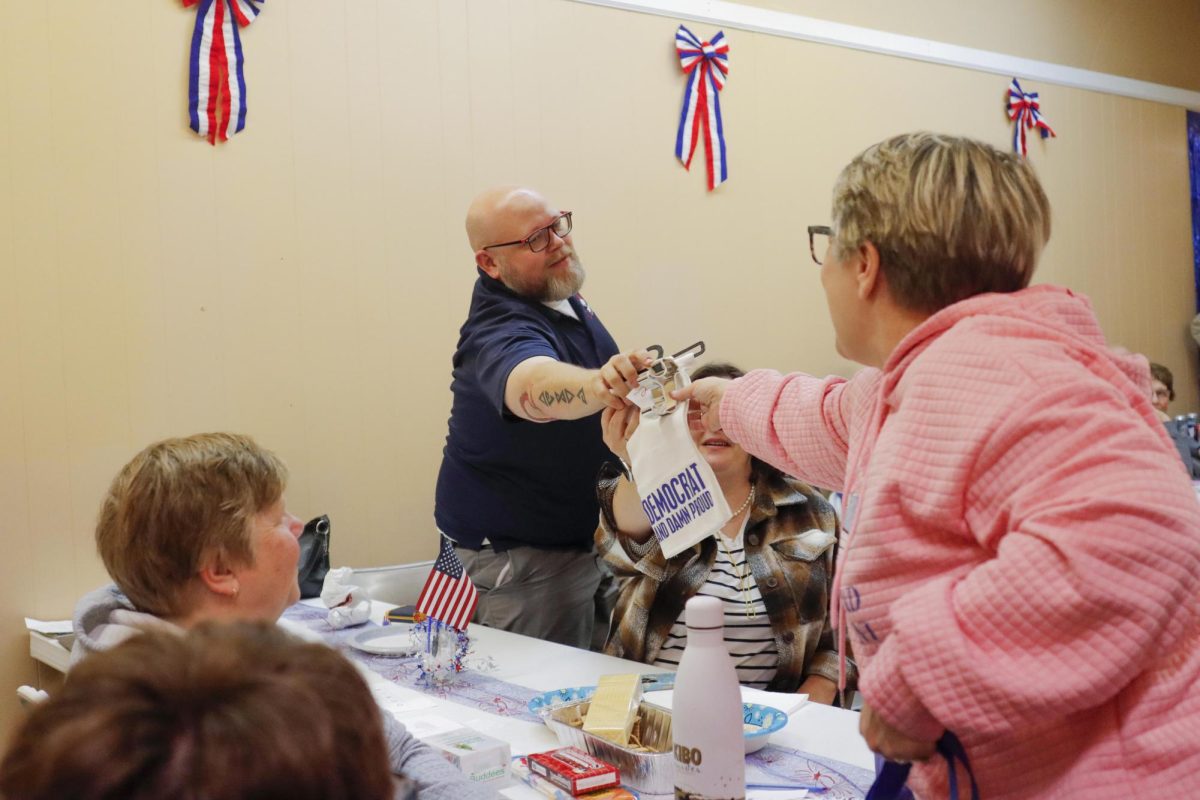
482	758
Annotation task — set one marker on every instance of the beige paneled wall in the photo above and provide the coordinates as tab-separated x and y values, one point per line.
305	282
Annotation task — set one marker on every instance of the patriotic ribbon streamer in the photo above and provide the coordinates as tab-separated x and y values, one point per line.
214	100
706	65
1025	110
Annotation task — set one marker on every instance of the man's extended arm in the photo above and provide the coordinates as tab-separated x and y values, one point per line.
541	389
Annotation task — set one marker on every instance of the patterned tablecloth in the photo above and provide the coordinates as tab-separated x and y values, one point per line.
771	764
777	764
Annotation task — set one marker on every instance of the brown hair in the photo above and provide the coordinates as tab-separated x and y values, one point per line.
228	710
177	501
951	217
1160	373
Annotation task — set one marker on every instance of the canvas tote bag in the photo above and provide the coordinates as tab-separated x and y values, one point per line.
678	489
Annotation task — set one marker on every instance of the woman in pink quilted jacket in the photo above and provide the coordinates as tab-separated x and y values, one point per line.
1022	557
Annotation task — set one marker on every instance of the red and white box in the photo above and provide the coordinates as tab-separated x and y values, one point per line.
574	770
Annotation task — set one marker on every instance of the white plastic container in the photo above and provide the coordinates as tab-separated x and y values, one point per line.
482	758
707	711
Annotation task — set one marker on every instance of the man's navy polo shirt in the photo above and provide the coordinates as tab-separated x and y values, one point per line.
512	481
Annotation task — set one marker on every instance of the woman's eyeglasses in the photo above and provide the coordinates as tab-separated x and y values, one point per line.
819	237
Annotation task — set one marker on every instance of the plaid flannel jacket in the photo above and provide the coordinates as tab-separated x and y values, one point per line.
792	567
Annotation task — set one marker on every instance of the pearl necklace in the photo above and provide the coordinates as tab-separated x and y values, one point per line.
742	507
743	575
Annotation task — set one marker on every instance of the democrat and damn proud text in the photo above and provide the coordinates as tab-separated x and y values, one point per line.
677	501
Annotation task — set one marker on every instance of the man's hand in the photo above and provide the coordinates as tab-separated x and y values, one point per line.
889	742
617	426
706	393
619	376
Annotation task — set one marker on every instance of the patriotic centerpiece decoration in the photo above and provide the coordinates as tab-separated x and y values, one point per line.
1025	110
706	65
449	596
216	85
444	610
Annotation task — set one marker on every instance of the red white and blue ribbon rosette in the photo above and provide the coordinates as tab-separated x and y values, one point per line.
216	86
1026	111
706	65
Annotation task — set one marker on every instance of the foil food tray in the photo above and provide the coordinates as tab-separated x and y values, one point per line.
648	772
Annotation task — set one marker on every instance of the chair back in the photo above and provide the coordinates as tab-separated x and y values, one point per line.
399	584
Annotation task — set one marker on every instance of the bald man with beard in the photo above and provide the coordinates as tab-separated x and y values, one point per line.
533	367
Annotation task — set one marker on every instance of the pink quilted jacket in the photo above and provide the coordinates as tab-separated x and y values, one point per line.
1023	556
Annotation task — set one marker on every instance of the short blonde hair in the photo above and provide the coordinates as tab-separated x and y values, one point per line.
177	501
951	217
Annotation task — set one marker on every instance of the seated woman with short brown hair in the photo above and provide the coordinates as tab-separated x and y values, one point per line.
195	529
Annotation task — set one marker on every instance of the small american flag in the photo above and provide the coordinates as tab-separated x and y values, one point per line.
448	596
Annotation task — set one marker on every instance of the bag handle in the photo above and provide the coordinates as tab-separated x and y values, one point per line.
892	781
656	382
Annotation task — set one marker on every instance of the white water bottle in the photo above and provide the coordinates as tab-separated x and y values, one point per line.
710	750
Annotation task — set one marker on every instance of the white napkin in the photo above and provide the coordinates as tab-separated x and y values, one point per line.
57	627
348	604
399	700
787	702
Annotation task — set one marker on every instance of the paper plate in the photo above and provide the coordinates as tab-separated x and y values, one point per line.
759	721
560	697
389	640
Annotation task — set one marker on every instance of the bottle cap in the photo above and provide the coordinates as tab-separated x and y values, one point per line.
705	613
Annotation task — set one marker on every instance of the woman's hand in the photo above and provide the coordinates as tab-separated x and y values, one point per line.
616	426
890	742
819	689
706	393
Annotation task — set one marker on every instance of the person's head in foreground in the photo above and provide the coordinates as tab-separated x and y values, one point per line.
195	529
524	242
226	711
920	222
1162	387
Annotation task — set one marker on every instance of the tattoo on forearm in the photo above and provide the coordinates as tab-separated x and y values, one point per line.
532	412
563	396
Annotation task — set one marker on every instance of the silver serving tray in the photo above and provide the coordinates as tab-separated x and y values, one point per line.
651	773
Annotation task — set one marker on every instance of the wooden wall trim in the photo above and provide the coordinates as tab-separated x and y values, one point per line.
811	29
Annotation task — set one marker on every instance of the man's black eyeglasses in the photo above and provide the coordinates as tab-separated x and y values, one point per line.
818	241
539	240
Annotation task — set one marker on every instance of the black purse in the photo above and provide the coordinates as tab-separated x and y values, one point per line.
314	556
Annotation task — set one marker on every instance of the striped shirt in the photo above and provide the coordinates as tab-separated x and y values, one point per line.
748	633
